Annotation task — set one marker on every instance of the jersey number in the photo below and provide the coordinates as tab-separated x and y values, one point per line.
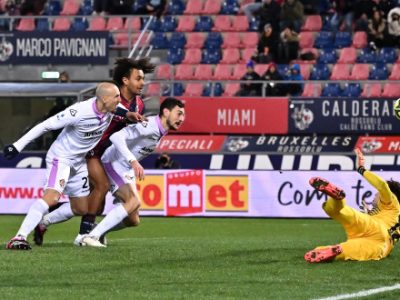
85	182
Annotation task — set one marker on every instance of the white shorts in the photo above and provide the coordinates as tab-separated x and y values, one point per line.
118	174
67	180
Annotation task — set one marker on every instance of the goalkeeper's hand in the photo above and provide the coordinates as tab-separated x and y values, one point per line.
360	160
10	151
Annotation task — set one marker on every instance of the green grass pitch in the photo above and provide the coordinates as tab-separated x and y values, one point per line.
190	258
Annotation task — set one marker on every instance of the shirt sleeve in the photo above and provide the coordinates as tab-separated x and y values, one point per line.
381	185
58	121
120	138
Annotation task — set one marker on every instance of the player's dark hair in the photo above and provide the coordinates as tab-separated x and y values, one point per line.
395	188
124	67
169	103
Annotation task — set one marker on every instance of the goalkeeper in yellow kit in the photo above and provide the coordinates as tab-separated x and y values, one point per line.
371	235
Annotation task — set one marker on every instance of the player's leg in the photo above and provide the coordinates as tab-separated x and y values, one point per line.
353	221
128	194
57	176
100	186
77	189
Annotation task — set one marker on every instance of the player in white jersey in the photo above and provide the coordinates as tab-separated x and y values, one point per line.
84	124
121	163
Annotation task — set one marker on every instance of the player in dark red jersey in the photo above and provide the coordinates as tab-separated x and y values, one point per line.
129	75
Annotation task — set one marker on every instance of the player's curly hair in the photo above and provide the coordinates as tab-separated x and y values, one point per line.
124	67
395	188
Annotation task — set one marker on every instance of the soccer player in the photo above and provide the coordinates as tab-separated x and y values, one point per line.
84	123
370	236
129	75
121	162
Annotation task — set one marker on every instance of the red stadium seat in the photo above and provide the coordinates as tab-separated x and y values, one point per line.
132	24
115	23
193	7
312	90
122	39
192	56
203	72
312	23
193	89
184	72
153	89
61	24
340	72
261	68
70	8
222	72
306	39
391	90
395	73
372	90
360	39
239	23
305	70
231	40
359	72
238	71
26	24
230	56
247	54
186	23
195	40
164	71
222	23
249	40
97	24
348	56
211	7
231	89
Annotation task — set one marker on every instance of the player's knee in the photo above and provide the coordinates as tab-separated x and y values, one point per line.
134	220
79	211
103	187
132	205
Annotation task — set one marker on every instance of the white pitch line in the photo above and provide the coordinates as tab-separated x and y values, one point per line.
364	293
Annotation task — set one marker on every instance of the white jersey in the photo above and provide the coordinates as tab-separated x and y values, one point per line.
83	127
135	141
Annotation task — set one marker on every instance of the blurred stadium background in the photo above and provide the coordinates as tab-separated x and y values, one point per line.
248	156
202	49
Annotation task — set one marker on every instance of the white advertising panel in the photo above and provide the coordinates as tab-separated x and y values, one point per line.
284	194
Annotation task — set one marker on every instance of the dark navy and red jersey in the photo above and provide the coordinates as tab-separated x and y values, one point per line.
116	124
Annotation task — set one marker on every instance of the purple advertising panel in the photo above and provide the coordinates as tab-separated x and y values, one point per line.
342	116
284	194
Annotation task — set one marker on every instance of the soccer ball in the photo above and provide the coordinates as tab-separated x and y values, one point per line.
396	108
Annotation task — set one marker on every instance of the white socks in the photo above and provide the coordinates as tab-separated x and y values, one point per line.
61	214
35	214
115	216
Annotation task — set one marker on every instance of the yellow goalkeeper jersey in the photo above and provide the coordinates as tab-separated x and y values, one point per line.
373	242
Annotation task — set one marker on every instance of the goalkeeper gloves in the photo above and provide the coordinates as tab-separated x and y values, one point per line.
360	161
10	151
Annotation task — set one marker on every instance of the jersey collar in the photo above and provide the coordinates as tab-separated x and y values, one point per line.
99	114
160	127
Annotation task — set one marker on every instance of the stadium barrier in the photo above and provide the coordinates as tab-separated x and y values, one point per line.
280	194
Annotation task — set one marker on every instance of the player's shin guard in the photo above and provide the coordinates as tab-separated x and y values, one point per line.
87	223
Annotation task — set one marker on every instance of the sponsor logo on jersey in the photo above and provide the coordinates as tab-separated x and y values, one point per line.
93	133
73	112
